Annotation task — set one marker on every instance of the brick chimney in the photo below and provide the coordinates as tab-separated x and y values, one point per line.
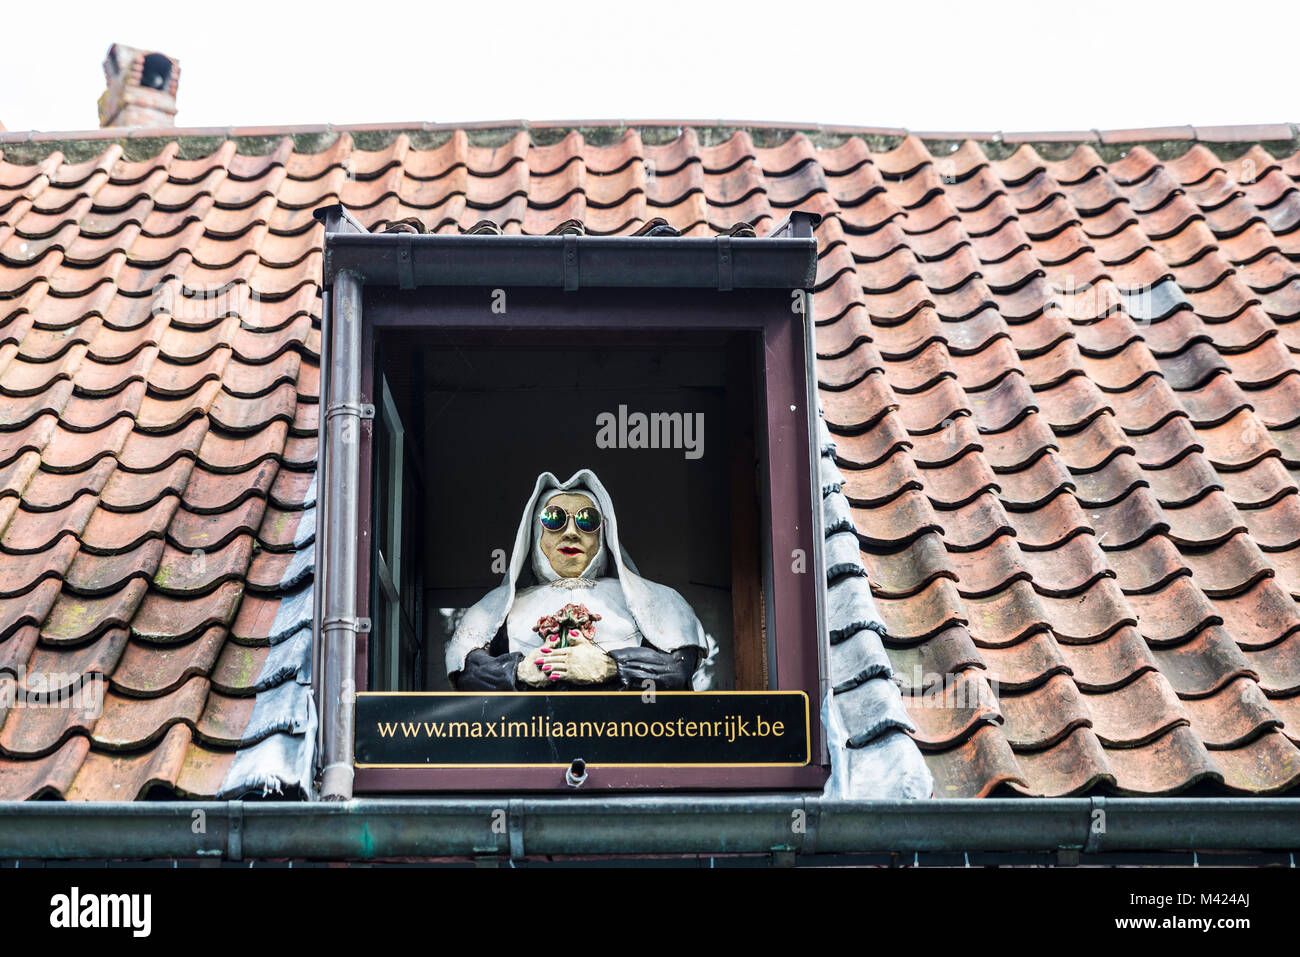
141	88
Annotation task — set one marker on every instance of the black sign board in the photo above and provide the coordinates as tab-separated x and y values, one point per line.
604	728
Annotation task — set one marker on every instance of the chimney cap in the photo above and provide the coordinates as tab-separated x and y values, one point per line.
141	88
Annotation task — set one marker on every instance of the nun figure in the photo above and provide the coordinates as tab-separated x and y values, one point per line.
573	613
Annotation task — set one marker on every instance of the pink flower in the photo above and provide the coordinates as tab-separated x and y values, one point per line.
570	617
546	626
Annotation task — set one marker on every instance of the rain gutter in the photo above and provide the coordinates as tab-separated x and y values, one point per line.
519	827
784	259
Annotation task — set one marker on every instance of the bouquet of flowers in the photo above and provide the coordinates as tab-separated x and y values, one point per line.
568	619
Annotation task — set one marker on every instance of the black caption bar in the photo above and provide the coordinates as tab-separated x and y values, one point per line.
609	728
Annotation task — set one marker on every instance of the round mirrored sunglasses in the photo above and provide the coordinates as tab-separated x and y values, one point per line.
554	518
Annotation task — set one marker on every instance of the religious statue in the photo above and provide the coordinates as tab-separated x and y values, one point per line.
572	612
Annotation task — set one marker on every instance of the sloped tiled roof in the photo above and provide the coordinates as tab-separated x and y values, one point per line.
1064	399
1060	392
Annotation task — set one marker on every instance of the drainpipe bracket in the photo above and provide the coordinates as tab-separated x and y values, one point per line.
724	263
362	410
405	267
515	819
572	267
360	626
234	830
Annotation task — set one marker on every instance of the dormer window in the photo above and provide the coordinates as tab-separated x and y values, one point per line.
514	406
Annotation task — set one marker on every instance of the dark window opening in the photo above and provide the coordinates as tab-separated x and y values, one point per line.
464	427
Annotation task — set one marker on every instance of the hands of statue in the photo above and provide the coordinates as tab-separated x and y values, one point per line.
578	662
529	672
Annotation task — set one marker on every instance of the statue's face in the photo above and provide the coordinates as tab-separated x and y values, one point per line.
570	550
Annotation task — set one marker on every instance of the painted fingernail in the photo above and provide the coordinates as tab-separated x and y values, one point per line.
538	661
555	677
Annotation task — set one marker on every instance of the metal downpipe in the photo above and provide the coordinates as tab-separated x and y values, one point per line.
339	623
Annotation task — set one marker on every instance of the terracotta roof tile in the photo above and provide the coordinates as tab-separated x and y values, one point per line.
31	532
127	491
126	776
18	578
198	571
51	777
36	730
128	724
148	670
92	573
76	618
975	767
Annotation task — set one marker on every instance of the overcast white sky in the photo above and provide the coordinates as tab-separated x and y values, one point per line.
919	65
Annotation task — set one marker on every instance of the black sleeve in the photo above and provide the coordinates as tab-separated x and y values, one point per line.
490	669
669	670
486	672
